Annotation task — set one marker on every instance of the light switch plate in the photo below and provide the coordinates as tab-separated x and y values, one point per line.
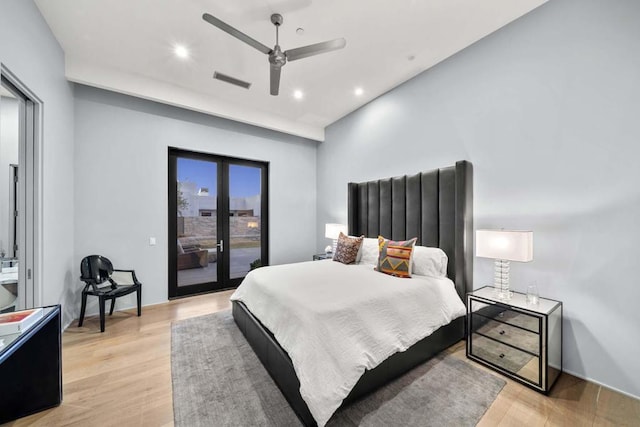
152	241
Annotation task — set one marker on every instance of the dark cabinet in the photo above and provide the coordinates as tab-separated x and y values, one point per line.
31	368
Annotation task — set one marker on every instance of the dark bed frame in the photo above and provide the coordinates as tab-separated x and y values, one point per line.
437	208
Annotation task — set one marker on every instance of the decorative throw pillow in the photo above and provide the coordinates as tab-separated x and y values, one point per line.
347	249
395	257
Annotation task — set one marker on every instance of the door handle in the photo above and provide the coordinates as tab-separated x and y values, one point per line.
220	245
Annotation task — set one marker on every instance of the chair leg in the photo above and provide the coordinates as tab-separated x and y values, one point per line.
113	304
82	308
139	295
102	302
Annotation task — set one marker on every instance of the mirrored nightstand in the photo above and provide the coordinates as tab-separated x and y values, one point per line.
318	257
520	340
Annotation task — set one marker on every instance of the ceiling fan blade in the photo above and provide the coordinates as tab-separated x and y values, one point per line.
315	49
275	79
235	33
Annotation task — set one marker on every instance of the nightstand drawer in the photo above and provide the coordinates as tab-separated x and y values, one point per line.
530	323
501	313
510	359
505	333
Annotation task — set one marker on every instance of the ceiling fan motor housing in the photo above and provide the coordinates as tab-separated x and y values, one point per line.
277	57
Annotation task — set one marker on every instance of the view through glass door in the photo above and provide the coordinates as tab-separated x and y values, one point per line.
245	224
217	219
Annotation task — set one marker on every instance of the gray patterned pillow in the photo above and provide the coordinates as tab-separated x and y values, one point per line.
347	249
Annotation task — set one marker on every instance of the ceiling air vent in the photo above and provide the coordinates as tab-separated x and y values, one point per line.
232	80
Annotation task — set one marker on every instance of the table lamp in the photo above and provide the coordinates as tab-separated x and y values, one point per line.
504	246
332	231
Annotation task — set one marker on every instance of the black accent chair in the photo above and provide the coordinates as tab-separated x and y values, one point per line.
106	283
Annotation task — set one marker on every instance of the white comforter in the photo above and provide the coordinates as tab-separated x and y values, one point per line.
337	320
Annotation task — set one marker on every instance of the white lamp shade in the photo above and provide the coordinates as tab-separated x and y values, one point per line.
332	231
503	244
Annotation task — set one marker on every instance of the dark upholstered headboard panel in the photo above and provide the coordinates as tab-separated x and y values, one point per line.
434	206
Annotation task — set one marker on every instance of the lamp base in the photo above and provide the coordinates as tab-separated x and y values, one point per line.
501	279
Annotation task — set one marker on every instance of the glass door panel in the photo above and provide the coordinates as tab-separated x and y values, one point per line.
244	219
197	195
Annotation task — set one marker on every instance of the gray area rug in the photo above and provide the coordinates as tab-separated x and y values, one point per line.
218	381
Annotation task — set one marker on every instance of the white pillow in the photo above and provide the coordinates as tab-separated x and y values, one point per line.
429	261
368	253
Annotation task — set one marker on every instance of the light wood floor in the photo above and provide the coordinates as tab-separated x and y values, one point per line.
122	378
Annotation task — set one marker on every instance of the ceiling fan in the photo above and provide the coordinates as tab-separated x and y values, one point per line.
277	57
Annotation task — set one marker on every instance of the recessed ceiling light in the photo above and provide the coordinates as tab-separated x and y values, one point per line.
181	51
297	94
358	91
300	31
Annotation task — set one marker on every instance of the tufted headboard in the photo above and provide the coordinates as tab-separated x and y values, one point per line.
434	206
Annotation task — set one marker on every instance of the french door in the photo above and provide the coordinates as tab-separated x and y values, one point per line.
218	221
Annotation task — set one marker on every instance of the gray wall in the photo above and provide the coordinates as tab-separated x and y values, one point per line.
121	181
547	111
29	50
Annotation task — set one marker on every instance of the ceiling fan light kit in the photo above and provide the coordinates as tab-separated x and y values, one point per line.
277	57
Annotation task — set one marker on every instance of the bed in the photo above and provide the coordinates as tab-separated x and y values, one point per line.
434	206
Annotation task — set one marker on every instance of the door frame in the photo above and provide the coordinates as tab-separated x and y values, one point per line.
30	223
223	232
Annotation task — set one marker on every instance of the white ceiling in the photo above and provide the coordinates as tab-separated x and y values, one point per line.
127	46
